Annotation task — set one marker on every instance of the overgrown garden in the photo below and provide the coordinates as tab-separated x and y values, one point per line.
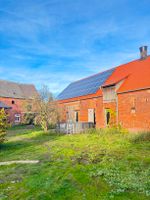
99	164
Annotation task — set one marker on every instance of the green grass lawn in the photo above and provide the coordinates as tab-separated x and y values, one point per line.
91	166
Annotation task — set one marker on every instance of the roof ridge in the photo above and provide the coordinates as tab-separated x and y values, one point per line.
17	83
135	60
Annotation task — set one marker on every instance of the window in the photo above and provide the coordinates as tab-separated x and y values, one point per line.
109	94
13	102
76	116
133	110
17	118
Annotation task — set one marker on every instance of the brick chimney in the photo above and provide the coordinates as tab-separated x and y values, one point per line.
143	52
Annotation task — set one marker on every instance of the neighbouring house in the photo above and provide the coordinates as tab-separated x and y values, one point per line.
120	95
14	97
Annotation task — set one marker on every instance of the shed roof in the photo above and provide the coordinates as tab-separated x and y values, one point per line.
85	86
3	105
17	90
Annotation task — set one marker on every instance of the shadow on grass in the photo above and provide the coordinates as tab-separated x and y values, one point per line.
35	140
22	126
17	132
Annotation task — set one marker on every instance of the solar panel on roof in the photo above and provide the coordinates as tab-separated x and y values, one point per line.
85	86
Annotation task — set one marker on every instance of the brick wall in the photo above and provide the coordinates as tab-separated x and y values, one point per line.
100	114
134	109
82	104
82	107
17	107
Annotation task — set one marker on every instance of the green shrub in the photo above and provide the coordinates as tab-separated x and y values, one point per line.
3	125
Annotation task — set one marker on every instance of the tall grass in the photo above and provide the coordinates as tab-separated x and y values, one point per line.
140	137
107	131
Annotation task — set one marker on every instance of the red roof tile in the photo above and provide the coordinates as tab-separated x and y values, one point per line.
136	75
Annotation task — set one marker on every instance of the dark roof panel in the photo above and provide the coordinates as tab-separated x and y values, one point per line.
86	86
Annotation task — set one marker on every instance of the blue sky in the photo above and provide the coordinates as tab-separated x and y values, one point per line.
55	42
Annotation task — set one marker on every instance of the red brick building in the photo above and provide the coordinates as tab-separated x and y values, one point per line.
120	95
13	97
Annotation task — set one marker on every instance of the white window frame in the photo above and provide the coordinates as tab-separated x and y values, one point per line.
17	118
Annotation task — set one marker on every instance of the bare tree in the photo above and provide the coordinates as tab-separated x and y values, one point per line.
46	108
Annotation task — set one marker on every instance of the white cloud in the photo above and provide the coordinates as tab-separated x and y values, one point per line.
56	42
